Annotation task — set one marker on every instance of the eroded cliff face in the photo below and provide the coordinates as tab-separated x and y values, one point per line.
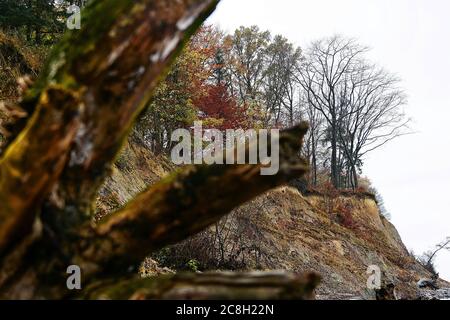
135	169
303	234
337	237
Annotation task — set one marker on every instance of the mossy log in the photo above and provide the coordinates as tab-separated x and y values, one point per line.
81	109
25	179
111	67
257	285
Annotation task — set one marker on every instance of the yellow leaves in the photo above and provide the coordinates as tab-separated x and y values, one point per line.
212	122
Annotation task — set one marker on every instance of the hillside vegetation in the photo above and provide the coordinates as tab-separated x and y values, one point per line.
16	59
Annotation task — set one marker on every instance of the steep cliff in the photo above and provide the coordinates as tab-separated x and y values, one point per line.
135	169
339	237
301	234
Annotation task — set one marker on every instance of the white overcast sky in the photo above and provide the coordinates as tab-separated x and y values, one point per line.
410	38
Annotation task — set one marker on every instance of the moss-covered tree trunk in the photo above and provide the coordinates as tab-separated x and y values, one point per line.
81	109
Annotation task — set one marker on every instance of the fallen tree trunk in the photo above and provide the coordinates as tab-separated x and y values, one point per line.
185	203
211	286
25	180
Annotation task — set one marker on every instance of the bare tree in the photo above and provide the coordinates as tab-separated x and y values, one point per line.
280	85
427	259
371	114
313	138
320	74
360	103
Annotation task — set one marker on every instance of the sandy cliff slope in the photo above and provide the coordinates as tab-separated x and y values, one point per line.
339	238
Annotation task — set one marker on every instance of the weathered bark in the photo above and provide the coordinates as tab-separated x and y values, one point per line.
119	87
211	286
25	179
81	108
114	62
111	66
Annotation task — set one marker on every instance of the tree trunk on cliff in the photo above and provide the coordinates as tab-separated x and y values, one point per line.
81	109
334	169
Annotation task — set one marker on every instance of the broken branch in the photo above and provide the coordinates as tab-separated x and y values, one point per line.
213	286
34	161
187	202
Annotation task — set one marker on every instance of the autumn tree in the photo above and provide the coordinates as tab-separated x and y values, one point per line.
262	71
218	109
248	67
172	105
217	106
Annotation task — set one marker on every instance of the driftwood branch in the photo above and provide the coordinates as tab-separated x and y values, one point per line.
83	105
25	179
186	203
119	65
212	286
